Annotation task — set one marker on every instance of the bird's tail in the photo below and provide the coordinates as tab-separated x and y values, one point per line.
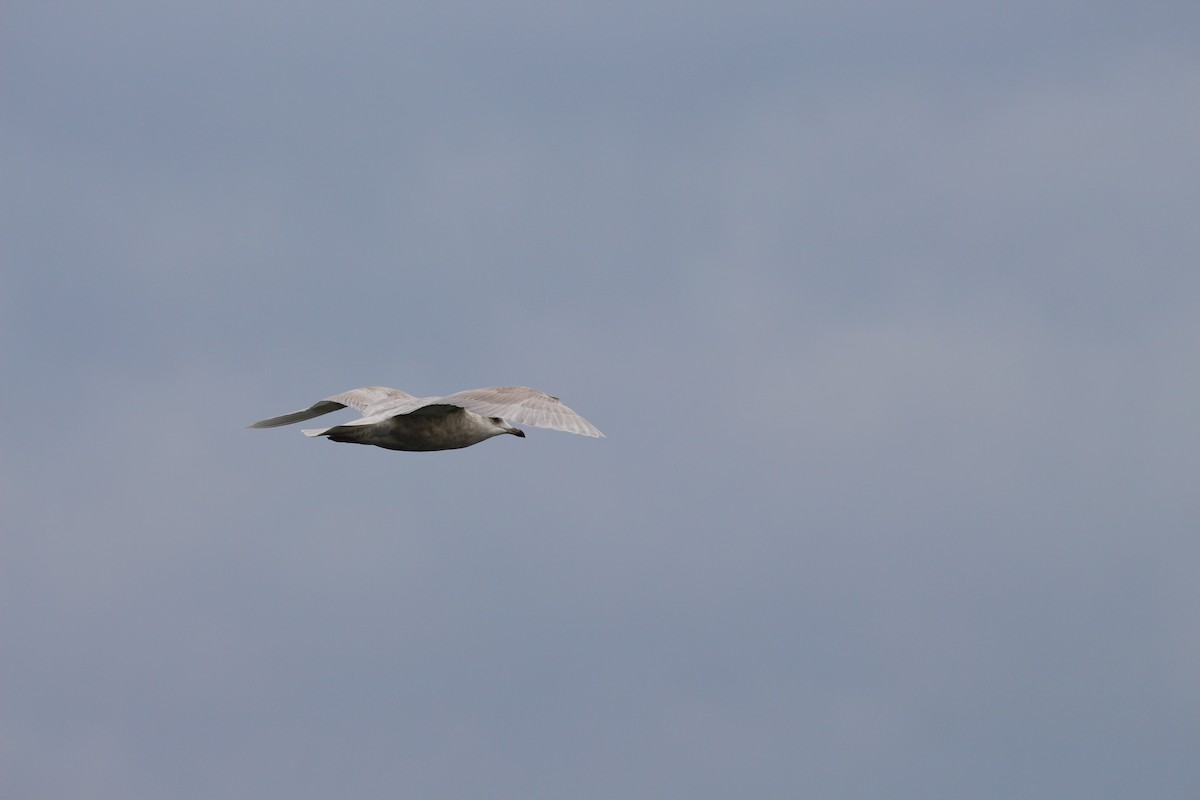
341	433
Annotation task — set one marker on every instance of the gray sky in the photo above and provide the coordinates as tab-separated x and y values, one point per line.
891	313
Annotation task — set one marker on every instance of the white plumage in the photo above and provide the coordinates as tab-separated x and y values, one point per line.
397	420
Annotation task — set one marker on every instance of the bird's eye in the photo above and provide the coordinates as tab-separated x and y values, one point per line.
496	420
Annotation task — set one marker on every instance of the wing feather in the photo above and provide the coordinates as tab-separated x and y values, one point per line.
363	400
369	398
315	410
522	405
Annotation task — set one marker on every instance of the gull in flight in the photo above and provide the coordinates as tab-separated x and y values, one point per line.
398	421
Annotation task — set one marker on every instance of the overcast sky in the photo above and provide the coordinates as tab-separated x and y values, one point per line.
890	313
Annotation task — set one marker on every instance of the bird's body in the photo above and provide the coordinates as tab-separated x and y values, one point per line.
447	429
398	421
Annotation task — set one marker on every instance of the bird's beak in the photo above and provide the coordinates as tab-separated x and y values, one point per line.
515	432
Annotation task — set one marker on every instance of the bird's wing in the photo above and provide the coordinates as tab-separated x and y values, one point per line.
365	401
369	398
412	407
522	405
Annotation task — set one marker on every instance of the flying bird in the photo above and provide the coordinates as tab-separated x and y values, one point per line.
398	421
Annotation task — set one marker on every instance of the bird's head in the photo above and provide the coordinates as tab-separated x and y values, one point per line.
506	428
